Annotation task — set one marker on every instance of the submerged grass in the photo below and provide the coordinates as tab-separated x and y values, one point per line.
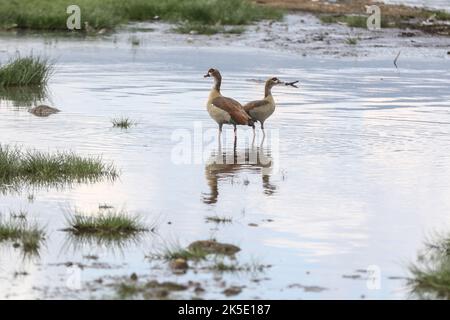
23	96
109	224
147	290
218	219
223	266
42	168
25	71
122	122
431	273
50	14
28	236
177	252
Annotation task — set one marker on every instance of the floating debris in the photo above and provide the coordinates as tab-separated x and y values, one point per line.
43	111
232	291
214	247
307	288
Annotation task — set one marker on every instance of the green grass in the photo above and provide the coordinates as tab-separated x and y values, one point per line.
19	166
51	14
25	71
105	224
431	272
122	122
28	236
128	290
176	252
441	15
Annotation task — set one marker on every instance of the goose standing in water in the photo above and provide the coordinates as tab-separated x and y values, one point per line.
225	110
260	110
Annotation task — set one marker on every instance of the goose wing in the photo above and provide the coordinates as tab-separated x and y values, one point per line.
255	104
233	108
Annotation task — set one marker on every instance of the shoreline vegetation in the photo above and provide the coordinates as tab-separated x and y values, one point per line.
210	16
431	273
353	14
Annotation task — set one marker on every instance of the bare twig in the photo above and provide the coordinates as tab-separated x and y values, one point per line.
396	58
291	84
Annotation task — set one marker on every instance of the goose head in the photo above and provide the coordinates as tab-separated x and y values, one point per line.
217	77
272	82
212	73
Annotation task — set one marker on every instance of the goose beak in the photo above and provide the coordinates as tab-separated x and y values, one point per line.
207	75
293	84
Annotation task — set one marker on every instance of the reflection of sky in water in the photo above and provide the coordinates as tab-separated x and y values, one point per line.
362	167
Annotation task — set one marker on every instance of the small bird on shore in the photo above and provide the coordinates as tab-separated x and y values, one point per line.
260	110
225	110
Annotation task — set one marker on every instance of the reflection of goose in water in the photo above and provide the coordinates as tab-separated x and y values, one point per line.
224	164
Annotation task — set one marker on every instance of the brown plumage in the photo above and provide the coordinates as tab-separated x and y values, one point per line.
234	108
255	104
225	110
260	110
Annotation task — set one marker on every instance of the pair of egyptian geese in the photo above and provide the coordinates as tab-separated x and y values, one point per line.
226	110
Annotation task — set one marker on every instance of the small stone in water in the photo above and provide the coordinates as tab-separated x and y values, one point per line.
179	264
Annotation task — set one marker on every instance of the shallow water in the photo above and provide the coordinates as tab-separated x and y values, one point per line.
359	172
435	4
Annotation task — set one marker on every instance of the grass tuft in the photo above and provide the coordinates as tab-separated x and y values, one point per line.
122	122
28	236
41	168
431	273
25	71
107	224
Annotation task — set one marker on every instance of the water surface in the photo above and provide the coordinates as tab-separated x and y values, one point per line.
359	171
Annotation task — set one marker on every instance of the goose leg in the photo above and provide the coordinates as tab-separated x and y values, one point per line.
235	130
262	128
220	129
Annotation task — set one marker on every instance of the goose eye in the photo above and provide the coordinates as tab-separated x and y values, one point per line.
274	79
211	70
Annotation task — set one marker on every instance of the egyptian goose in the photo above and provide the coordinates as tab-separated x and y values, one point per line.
225	110
260	110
